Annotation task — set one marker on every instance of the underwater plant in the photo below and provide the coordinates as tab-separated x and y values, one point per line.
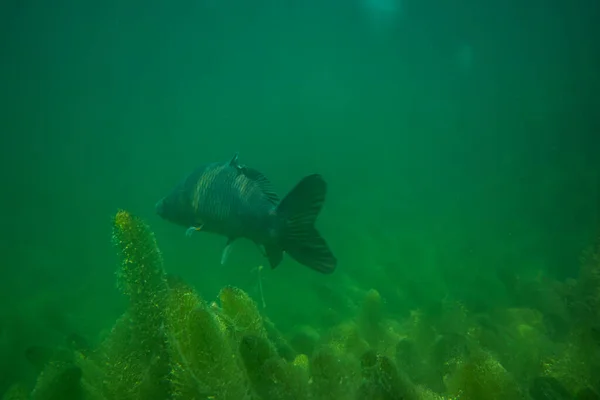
172	344
203	360
480	376
576	364
18	391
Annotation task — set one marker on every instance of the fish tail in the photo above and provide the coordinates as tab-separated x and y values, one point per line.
298	236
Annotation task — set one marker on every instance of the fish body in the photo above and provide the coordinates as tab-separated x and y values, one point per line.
237	201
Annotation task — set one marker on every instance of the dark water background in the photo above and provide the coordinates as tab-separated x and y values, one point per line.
460	140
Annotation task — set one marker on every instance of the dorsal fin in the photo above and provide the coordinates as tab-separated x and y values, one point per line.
265	185
234	162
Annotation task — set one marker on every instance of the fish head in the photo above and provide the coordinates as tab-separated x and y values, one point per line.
160	208
172	209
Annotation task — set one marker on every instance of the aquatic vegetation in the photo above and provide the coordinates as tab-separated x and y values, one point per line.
134	357
382	380
577	361
171	343
335	375
59	381
203	360
18	391
587	290
480	376
241	313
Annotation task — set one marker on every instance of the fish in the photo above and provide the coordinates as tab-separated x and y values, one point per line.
237	201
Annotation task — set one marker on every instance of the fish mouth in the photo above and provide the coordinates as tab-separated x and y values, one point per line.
159	207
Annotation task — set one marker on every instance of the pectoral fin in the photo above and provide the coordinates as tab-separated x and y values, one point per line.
226	251
192	229
274	254
261	249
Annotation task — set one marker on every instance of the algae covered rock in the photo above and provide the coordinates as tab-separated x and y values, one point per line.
481	377
287	380
346	338
571	366
272	377
133	361
59	381
304	339
408	357
370	318
241	313
548	388
334	375
203	361
284	349
383	381
17	391
587	394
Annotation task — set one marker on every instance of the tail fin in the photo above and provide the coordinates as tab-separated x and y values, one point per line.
299	237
